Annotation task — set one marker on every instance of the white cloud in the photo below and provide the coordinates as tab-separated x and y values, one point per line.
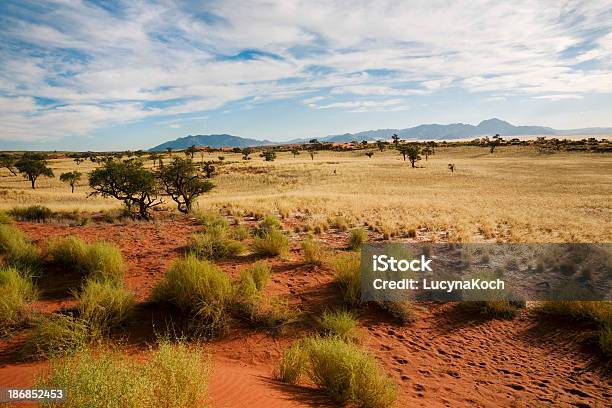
558	97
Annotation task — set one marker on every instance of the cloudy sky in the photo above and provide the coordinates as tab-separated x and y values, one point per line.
130	74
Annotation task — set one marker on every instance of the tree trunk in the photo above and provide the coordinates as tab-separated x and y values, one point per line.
33	181
72	186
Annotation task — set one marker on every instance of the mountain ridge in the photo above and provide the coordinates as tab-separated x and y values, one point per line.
431	131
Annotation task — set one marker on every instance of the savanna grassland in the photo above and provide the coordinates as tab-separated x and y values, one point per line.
515	194
253	298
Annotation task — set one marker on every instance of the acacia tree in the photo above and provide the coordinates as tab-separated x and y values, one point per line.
413	153
269	155
395	140
295	151
427	151
129	182
208	169
32	166
8	162
493	143
246	152
380	144
369	154
191	151
181	182
71	178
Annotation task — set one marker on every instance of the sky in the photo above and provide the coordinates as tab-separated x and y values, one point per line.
116	75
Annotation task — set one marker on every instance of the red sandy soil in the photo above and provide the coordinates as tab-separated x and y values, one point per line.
447	358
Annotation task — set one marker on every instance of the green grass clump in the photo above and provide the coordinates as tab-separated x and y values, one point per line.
57	335
253	279
210	219
215	243
175	376
269	312
273	243
104	305
347	374
598	312
401	311
100	260
358	238
347	268
340	324
36	213
268	224
17	249
313	252
198	288
605	340
16	292
5	218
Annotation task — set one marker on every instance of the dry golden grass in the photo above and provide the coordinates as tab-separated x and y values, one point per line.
515	194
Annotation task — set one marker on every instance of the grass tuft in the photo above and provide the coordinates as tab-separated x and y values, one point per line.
253	279
16	292
17	249
36	213
358	238
349	375
341	324
175	376
57	335
313	252
215	243
348	277
274	243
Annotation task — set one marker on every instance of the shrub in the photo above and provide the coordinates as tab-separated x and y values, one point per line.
104	305
215	243
598	312
253	279
274	243
348	277
57	335
341	324
17	248
605	340
16	291
268	224
358	238
313	253
198	288
175	376
346	373
239	232
36	213
210	219
269	312
5	218
399	310
101	260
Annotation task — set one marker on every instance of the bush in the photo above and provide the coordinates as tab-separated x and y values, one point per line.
402	311
253	279
210	219
215	243
358	238
274	243
198	288
16	291
269	312
346	373
175	376
268	224
36	213
17	249
57	335
104	305
605	340
101	260
313	253
5	218
347	268
597	312
341	324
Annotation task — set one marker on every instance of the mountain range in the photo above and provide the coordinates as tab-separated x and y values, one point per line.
421	132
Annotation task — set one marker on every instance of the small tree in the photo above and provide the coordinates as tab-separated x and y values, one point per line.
427	151
381	145
246	152
412	152
237	150
32	166
494	142
129	182
269	155
169	150
78	160
451	167
71	178
312	153
295	151
191	151
395	140
181	182
221	158
369	154
208	169
8	162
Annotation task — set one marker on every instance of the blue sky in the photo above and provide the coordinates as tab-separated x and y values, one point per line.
95	75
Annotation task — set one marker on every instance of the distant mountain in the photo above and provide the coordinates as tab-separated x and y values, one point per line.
422	132
215	141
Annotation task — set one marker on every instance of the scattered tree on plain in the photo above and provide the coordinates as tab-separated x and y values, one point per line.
32	166
381	145
395	140
295	151
180	180
71	178
191	151
269	155
369	154
246	152
8	162
209	169
451	167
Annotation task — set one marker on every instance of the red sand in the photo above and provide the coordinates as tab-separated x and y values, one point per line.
446	358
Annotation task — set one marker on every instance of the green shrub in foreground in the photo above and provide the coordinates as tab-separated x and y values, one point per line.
274	243
104	305
346	373
348	277
57	335
100	260
253	279
358	238
17	249
175	376
16	292
198	288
